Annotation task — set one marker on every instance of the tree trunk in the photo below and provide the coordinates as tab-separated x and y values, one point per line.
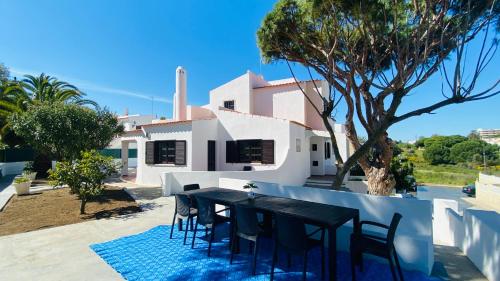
82	206
380	181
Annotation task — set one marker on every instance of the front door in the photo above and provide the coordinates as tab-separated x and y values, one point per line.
211	155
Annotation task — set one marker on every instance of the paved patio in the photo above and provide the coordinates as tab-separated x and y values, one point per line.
63	253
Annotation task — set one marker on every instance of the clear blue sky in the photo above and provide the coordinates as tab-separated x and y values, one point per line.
122	53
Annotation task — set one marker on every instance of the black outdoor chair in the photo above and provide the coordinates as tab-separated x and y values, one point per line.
248	228
291	236
183	211
209	218
189	187
376	245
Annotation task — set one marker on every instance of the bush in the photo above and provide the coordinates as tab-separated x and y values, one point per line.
437	153
472	151
85	177
62	131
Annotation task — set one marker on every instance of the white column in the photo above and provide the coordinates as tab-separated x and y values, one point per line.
124	158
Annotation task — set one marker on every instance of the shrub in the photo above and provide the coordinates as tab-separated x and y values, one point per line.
85	176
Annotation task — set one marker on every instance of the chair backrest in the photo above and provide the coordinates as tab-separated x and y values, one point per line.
206	211
291	233
391	233
182	204
193	186
246	220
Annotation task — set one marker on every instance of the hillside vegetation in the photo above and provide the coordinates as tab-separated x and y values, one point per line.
451	160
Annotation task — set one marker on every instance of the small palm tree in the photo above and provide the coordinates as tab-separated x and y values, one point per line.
45	88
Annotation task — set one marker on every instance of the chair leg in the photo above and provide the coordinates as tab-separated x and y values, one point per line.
353	264
393	271
233	246
194	235
212	235
173	225
255	252
275	259
191	225
187	229
304	271
400	271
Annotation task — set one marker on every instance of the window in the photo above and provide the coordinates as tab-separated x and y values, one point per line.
166	152
327	150
250	151
229	104
314	147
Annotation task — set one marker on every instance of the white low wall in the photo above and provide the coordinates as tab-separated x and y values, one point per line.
476	233
414	235
12	168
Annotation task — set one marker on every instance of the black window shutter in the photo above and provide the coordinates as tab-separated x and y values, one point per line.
267	151
329	150
231	152
150	152
180	152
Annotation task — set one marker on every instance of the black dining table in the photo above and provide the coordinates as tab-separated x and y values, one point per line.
328	216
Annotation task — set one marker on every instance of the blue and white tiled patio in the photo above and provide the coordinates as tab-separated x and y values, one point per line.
151	255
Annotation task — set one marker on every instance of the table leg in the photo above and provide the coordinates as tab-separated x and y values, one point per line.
179	224
355	222
332	253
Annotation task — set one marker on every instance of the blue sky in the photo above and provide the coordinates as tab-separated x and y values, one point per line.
123	53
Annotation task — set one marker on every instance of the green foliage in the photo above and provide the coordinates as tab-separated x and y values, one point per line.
250	185
437	153
85	176
472	151
29	167
62	130
402	169
21	179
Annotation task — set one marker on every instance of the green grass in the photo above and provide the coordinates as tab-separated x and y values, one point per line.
445	174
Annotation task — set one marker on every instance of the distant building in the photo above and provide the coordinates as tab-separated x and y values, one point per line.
491	136
264	127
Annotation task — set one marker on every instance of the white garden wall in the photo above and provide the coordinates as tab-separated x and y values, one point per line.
414	235
476	233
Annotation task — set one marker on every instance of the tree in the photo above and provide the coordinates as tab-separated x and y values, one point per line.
437	153
62	131
4	72
85	176
45	88
465	152
373	54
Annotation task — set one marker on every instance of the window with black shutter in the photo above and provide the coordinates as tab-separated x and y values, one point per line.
327	150
180	153
229	104
166	152
231	152
250	151
267	151
150	152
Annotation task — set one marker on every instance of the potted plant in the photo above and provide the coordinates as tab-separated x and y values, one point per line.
22	185
251	186
29	171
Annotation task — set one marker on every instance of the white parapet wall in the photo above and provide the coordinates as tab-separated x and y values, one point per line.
414	235
475	232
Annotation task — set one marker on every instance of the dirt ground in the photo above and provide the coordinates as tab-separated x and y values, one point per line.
58	207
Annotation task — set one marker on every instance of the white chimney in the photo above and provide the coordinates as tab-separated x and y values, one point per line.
180	94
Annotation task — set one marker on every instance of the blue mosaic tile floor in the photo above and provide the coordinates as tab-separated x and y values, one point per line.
151	255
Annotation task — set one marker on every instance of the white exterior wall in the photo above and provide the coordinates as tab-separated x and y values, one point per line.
150	174
290	105
237	90
203	131
318	155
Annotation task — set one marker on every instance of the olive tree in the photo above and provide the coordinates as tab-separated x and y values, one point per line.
373	54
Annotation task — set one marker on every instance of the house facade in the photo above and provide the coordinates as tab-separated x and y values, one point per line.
250	124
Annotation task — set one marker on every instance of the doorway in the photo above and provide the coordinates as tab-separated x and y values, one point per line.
211	156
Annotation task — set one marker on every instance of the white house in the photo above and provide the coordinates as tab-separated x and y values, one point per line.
266	128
